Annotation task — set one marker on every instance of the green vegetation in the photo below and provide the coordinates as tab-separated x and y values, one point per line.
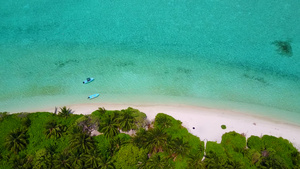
64	140
16	140
223	126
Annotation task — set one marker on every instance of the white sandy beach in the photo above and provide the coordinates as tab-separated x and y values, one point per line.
207	122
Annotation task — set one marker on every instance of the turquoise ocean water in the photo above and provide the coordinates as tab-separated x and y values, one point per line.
213	53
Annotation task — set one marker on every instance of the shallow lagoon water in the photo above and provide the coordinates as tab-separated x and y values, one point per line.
219	54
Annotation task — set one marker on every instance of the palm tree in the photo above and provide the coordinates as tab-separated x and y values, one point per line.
82	142
54	130
126	120
65	112
116	143
157	162
101	110
212	160
62	161
163	120
140	139
77	160
92	159
179	147
87	124
21	162
16	141
26	122
110	126
195	161
156	140
75	129
17	162
106	162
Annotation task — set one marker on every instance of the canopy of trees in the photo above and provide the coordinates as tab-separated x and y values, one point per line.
128	140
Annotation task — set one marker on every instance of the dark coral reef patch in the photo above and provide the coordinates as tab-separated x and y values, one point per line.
284	48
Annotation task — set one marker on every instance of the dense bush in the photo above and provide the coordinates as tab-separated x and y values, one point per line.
36	132
64	141
3	115
280	149
139	118
214	147
235	147
234	141
174	128
254	142
129	156
215	155
8	124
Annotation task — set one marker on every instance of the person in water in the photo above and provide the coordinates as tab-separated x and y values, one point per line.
87	79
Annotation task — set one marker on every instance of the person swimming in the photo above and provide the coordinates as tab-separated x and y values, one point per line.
87	80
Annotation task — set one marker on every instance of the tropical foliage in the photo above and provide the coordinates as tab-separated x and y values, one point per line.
110	125
82	142
46	140
126	120
65	112
54	130
16	141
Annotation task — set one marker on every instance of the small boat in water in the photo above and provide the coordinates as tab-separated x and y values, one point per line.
88	80
93	96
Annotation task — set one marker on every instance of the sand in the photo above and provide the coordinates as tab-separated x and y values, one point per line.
206	123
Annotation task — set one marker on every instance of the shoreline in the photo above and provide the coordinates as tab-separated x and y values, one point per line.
41	103
208	121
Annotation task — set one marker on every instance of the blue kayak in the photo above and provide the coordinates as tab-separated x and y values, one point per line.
88	80
93	96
